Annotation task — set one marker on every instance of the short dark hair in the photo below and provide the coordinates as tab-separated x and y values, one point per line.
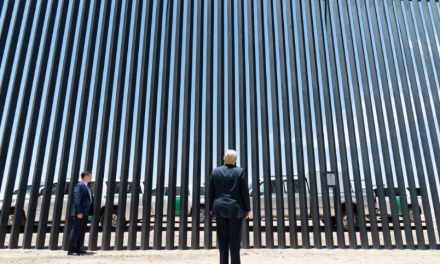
85	173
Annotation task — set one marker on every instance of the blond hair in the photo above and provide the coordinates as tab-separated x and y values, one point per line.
230	157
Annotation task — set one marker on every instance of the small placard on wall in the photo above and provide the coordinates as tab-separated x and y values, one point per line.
331	179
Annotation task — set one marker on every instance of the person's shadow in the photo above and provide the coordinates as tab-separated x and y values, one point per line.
88	253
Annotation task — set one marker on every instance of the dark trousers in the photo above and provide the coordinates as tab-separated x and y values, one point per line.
76	240
229	237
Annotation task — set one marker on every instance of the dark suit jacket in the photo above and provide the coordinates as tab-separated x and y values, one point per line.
82	204
228	192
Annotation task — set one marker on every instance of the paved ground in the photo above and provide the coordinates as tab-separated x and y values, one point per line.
253	256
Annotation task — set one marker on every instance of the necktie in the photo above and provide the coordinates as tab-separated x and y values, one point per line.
90	193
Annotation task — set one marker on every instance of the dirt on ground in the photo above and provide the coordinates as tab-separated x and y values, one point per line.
273	256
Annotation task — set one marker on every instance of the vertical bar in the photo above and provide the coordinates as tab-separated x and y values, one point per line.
186	124
197	83
128	104
252	32
104	115
265	84
150	121
173	108
276	88
289	134
243	80
140	50
232	47
113	136
67	126
209	42
41	66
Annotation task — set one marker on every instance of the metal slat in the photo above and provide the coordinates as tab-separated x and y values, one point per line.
230	86
105	105
186	124
209	92
276	117
251	31
197	83
174	81
128	111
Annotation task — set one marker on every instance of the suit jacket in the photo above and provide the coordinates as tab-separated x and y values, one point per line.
82	204
228	192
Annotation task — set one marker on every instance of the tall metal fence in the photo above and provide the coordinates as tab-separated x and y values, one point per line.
333	107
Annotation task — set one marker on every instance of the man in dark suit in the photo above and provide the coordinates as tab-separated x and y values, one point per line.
82	207
229	202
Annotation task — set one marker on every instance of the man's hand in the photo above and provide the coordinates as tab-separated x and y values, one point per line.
247	214
80	215
210	212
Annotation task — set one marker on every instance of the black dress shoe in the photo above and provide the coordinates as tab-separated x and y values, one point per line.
82	252
72	254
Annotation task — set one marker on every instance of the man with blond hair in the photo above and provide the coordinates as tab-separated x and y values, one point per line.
229	202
